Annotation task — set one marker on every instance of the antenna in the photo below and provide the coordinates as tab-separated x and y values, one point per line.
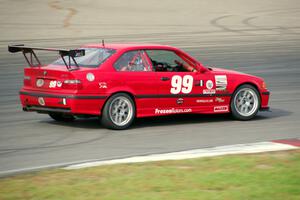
103	43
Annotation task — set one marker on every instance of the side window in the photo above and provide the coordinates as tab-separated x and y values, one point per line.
169	61
132	61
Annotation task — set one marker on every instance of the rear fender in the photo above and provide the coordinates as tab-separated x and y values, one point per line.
123	89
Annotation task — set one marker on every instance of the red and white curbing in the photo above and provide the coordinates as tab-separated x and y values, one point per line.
276	145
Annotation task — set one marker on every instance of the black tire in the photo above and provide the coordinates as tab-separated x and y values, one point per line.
62	117
241	102
110	120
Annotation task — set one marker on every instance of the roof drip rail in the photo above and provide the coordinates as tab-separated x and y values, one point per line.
32	58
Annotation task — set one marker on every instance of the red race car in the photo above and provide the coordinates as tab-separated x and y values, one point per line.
119	82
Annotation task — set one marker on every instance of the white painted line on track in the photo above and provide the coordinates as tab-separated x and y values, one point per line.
197	153
37	168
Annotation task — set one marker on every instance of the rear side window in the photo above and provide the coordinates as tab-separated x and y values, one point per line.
132	61
93	57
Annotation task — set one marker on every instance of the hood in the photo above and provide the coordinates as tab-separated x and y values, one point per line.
221	71
225	71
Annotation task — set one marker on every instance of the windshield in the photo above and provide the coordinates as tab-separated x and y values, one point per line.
93	57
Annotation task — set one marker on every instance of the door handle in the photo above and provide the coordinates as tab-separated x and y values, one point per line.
164	78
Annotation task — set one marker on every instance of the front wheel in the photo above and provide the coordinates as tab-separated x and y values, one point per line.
118	112
245	102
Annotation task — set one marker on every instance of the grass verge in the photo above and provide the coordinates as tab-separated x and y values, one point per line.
258	176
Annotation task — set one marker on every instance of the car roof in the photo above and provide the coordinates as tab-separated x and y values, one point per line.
124	46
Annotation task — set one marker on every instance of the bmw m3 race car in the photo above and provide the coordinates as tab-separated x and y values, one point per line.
119	82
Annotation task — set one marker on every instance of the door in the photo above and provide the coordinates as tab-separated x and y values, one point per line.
135	75
182	89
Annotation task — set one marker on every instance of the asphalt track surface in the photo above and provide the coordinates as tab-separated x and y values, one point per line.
263	41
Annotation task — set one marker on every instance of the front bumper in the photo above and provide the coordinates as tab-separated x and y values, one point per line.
265	96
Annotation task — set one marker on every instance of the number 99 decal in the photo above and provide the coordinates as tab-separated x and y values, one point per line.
179	84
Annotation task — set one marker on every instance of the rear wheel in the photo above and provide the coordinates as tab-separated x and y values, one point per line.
61	117
118	112
245	102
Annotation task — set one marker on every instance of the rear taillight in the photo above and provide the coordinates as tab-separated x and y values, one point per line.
27	80
72	81
72	84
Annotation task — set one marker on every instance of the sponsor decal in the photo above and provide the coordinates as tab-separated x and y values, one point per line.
209	84
180	101
220	108
172	110
39	82
221	82
204	100
59	84
90	77
41	101
209	91
219	100
103	85
52	84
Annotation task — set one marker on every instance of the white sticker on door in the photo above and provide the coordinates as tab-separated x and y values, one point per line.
221	82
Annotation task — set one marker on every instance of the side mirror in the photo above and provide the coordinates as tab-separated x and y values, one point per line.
203	70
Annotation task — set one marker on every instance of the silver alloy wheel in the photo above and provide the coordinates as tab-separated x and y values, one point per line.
246	102
120	111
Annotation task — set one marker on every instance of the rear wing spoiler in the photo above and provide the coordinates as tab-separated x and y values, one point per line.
32	57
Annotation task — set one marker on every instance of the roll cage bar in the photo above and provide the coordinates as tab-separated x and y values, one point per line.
31	57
